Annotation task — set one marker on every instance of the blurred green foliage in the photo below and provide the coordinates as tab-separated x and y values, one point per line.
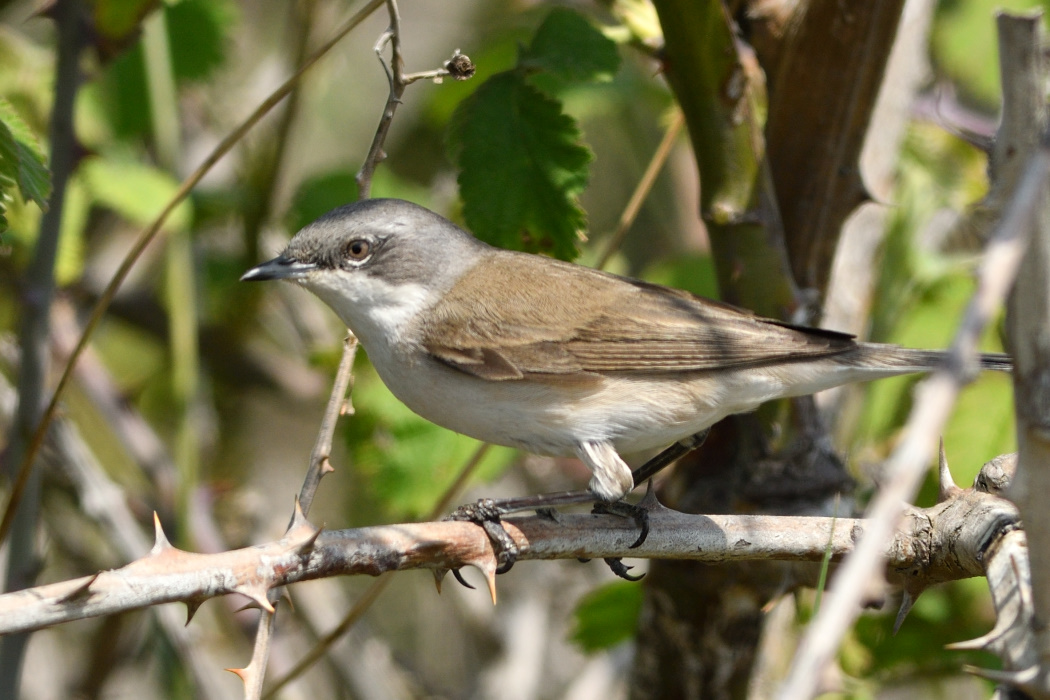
404	462
22	166
965	47
607	616
516	136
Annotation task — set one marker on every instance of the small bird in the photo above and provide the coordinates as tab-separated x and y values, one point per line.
551	357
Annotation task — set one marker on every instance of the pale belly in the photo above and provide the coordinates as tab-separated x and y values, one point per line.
546	418
635	414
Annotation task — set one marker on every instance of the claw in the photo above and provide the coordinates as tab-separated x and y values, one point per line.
617	566
462	581
639	514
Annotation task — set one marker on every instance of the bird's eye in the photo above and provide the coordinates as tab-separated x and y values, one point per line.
358	249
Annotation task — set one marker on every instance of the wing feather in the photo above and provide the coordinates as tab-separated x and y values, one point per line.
561	319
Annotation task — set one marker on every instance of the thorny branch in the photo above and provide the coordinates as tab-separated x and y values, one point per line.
928	546
934	400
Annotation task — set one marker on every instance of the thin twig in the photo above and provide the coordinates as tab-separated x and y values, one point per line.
144	240
254	673
370	596
395	74
372	593
641	191
934	400
261	205
319	464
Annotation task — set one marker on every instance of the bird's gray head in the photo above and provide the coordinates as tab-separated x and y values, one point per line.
376	263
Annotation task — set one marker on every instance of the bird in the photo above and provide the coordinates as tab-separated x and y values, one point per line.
555	358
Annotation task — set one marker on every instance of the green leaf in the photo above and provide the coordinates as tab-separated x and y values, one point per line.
22	162
406	461
571	48
607	616
119	21
320	194
198	33
135	191
964	44
69	263
521	165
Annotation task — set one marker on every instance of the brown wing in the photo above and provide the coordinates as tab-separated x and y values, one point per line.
563	319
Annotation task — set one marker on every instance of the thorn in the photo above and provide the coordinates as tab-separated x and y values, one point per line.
307	545
649	500
1023	679
286	597
907	601
326	466
988	640
439	576
80	592
241	673
948	489
257	594
300	523
490	578
298	517
192	606
487	566
160	541
977	644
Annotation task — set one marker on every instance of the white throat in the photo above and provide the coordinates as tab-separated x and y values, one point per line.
378	312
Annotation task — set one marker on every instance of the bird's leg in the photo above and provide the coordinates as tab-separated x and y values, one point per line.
640	512
487	512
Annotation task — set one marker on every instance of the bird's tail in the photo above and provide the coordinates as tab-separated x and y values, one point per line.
895	359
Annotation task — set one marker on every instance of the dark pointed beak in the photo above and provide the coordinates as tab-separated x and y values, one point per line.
280	268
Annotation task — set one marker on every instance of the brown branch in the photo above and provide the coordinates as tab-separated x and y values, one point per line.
1024	125
934	400
337	406
458	67
929	548
823	85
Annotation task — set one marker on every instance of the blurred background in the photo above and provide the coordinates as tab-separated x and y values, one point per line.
200	398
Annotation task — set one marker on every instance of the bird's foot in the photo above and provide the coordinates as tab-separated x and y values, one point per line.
640	514
487	513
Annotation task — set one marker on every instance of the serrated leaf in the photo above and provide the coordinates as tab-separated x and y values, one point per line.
521	164
607	616
570	47
135	191
22	160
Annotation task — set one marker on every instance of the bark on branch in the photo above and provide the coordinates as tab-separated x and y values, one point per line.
937	544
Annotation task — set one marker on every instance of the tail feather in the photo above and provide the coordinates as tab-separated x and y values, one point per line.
894	357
